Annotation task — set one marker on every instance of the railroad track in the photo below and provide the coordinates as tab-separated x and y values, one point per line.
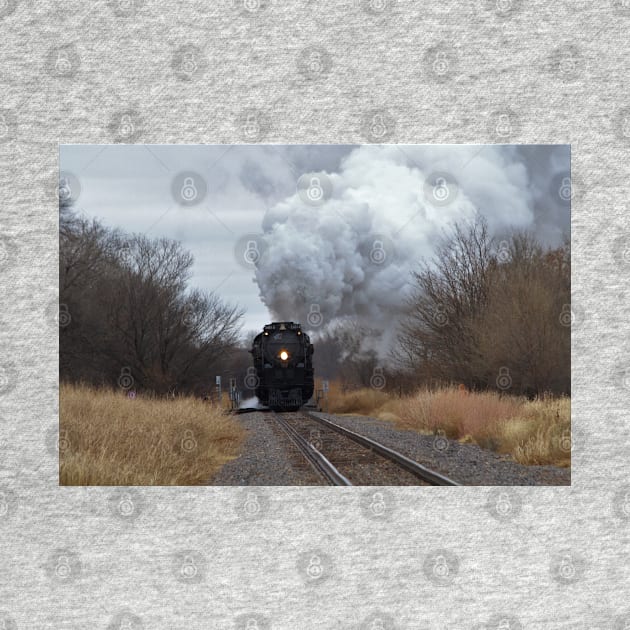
360	454
319	462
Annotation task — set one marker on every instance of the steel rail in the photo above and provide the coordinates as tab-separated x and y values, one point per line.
318	461
420	471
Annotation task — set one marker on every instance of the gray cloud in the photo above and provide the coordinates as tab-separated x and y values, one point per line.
316	254
351	254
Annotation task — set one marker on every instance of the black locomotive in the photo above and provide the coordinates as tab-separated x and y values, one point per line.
283	362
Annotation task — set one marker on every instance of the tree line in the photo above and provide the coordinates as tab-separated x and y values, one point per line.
490	315
484	313
127	316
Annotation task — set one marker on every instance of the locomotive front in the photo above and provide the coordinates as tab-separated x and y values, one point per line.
282	356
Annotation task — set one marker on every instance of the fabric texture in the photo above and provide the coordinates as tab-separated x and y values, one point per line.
302	72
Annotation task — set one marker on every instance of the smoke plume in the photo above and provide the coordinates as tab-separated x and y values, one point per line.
346	248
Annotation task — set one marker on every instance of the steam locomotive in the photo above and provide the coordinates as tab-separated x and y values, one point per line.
283	366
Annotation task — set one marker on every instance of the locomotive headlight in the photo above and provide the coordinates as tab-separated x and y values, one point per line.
284	355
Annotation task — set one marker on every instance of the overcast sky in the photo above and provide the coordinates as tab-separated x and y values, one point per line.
239	191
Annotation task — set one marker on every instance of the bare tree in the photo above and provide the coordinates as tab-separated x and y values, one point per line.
479	313
346	352
449	294
522	333
131	310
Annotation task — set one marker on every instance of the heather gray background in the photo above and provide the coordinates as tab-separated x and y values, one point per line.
558	71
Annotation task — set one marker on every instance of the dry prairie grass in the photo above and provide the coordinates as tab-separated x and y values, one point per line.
107	438
532	432
540	433
361	401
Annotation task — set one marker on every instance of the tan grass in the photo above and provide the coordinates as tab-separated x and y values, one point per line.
540	433
361	401
532	432
107	438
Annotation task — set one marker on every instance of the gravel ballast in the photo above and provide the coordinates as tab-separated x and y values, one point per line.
360	465
268	457
468	464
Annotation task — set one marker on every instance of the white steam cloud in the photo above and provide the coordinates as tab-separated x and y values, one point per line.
347	250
